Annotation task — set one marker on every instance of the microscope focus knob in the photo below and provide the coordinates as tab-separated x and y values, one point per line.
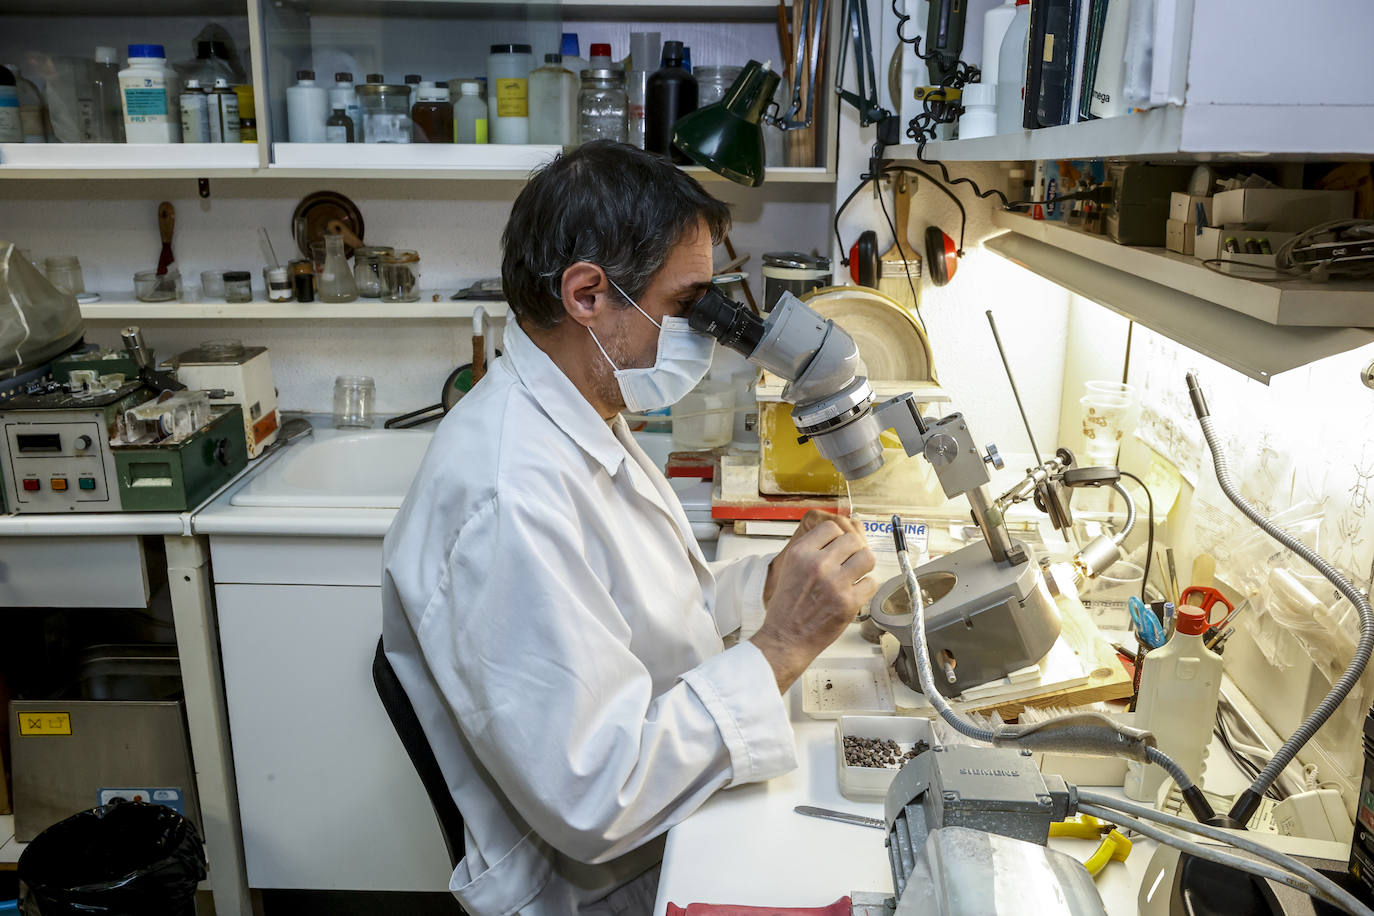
941	449
993	457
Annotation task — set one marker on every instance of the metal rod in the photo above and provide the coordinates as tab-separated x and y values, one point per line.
1014	393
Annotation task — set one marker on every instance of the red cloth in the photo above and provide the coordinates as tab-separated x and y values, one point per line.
840	907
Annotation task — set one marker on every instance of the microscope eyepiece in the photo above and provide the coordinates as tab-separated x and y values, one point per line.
729	322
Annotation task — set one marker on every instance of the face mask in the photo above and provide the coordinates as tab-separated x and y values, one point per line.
683	358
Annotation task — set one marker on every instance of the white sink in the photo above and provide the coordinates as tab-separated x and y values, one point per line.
340	469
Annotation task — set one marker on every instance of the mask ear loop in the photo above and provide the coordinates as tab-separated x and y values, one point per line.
632	302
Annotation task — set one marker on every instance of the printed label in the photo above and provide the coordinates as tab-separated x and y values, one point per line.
170	796
31	119
11	131
146	105
336	134
879	534
1048	56
44	724
512	98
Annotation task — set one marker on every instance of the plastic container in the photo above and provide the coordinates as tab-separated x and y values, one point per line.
996	21
107	112
224	113
470	115
64	272
713	82
1011	71
1105	597
705	417
603	107
278	284
571	52
600	58
344	95
1179	685
646	48
33	114
386	111
195	114
865	783
400	275
355	402
670	93
148	88
432	115
307	108
980	111
554	103
238	286
11	126
508	93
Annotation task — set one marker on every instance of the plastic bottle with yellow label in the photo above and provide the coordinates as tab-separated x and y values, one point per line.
508	93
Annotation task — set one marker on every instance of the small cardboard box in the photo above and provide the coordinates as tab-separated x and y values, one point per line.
1180	236
1184	208
1275	208
1210	241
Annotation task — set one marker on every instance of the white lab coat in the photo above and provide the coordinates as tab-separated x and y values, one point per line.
559	634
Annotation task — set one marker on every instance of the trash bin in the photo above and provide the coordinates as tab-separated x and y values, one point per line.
121	858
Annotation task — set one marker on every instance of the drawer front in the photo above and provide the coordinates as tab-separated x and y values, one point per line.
74	572
297	560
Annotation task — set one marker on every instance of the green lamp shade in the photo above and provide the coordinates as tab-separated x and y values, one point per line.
726	137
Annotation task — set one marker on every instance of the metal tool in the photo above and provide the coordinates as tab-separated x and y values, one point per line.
843	817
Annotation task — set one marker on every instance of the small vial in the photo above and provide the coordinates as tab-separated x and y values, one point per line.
339	127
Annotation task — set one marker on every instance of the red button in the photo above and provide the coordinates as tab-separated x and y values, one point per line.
30	485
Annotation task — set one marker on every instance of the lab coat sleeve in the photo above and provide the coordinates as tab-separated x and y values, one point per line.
533	657
739	594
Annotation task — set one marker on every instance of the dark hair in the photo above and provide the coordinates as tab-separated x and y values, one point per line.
606	203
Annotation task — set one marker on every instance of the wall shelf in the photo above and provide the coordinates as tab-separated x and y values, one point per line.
1248	345
123	307
1198	132
127	160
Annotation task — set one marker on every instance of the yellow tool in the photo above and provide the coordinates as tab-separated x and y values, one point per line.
1114	846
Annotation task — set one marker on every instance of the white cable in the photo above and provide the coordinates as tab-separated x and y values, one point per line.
1233	838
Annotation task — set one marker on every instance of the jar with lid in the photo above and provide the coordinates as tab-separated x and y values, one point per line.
303	279
278	284
400	275
508	93
386	112
432	114
603	106
367	271
64	272
713	82
238	286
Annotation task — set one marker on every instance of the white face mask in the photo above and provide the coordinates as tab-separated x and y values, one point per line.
683	358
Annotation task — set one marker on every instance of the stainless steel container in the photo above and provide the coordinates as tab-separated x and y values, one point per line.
792	272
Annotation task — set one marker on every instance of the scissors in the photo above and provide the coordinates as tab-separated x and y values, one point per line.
1147	626
1208	598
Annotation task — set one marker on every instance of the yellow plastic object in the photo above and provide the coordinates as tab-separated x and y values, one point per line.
1086	827
1115	847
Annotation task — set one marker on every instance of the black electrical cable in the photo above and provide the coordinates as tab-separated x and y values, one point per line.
1150	537
1243	763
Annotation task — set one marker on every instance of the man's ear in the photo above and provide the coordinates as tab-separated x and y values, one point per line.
585	292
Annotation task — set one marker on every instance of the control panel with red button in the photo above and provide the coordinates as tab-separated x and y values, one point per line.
63	466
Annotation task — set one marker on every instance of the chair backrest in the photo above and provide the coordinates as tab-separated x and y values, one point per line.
407	726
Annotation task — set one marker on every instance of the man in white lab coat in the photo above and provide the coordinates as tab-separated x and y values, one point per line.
545	604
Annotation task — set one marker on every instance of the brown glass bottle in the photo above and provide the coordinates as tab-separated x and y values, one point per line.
432	115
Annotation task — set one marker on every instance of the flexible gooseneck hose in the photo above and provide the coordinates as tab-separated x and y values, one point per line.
1130	514
1249	799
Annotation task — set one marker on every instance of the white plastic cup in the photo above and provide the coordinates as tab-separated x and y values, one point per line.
705	417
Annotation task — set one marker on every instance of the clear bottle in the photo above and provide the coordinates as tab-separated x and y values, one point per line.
307	108
1011	71
336	280
339	127
1179	685
11	128
195	114
553	103
33	115
345	96
149	91
508	93
670	94
224	113
109	99
603	107
432	114
645	51
470	115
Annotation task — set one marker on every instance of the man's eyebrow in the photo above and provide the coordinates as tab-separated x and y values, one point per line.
697	286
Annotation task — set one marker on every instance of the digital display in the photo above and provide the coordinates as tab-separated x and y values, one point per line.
39	442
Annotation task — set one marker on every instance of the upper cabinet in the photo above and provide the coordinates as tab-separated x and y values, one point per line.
1224	80
375	61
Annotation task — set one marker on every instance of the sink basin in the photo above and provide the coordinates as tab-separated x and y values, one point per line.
340	469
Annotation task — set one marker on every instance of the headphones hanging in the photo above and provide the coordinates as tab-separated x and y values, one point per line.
941	252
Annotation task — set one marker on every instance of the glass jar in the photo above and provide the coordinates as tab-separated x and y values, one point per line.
238	286
386	112
303	279
712	83
603	107
400	275
355	401
278	284
212	284
64	272
367	271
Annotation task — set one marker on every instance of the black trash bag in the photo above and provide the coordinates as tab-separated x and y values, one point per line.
121	859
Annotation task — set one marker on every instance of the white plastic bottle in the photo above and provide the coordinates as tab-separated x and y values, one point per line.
470	115
344	95
1179	686
195	114
1011	71
573	61
148	88
307	108
553	103
995	24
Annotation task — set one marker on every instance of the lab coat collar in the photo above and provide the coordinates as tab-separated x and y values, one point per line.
560	400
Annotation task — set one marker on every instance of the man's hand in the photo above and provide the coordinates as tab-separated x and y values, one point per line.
815	586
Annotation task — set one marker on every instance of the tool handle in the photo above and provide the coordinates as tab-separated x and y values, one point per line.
479	357
166	220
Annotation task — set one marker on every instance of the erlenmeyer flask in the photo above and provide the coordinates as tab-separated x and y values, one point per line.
336	280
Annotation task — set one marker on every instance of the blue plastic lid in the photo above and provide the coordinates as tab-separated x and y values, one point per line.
147	51
570	47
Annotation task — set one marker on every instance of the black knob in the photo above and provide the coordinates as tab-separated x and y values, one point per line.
83	442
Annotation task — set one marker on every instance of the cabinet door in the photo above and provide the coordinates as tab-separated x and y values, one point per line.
327	796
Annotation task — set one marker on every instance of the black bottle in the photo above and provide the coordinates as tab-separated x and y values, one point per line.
670	94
